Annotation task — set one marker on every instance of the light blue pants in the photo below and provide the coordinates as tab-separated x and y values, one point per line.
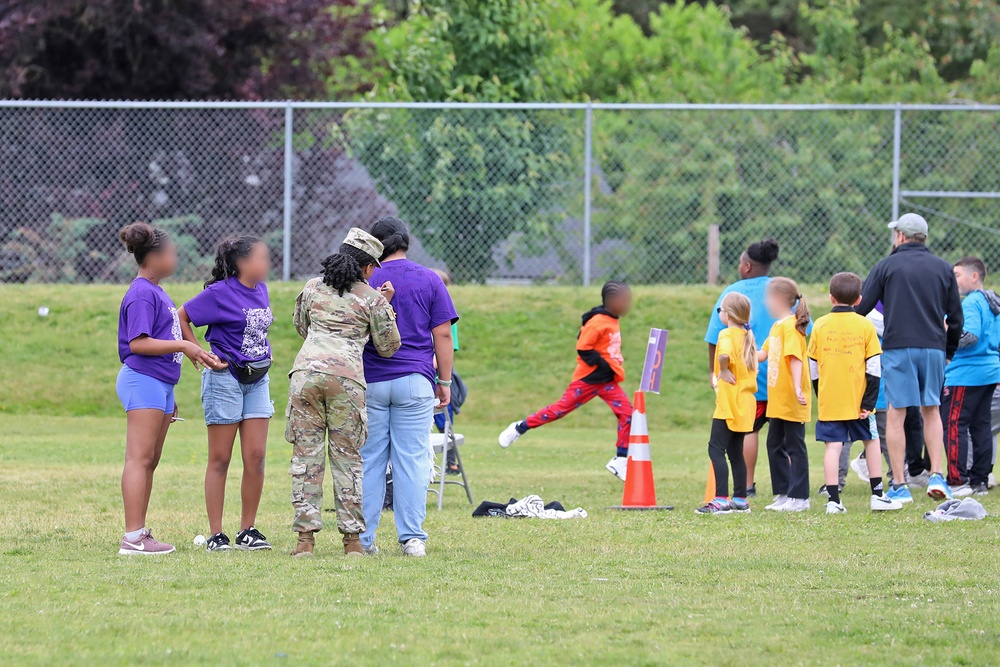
399	425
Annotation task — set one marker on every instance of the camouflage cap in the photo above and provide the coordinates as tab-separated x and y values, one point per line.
365	242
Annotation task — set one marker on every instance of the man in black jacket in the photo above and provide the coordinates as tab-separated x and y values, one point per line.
923	322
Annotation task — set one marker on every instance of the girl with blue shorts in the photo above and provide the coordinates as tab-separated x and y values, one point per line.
236	397
151	349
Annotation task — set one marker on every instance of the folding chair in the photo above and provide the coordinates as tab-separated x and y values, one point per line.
443	443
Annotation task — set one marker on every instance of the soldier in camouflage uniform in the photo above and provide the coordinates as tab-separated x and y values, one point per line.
336	315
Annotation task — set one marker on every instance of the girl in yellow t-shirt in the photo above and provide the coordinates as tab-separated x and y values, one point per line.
788	395
735	406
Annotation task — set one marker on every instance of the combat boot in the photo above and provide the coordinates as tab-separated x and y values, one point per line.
304	547
352	545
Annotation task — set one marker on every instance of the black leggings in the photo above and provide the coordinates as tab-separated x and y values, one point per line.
788	458
722	443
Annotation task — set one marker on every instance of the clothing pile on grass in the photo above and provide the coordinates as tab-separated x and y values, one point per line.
529	507
966	509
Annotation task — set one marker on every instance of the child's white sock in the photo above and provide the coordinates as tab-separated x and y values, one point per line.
134	535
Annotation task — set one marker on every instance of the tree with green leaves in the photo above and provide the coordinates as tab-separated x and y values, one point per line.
466	180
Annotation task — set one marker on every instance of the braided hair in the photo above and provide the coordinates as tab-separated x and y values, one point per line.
611	288
345	267
140	239
226	255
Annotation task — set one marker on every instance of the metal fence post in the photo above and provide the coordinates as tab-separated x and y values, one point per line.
588	149
897	132
286	242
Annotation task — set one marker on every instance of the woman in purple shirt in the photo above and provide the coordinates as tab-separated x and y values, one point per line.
402	391
151	350
237	399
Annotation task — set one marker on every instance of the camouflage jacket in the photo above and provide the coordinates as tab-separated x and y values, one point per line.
336	328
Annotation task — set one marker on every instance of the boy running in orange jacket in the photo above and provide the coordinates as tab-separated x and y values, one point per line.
599	372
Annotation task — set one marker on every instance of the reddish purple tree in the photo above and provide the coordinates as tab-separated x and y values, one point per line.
182	49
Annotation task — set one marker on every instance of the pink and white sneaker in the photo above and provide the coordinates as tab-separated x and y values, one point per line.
145	546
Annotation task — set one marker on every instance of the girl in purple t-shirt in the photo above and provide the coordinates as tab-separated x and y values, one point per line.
237	311
151	349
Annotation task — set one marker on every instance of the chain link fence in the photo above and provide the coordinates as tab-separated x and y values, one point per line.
496	193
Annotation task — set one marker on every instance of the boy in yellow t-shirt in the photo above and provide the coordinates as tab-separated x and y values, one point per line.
735	405
788	395
845	366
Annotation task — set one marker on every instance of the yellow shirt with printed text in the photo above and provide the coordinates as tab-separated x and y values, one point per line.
841	344
782	345
735	402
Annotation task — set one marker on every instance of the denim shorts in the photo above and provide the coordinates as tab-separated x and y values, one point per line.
848	431
913	376
142	392
228	401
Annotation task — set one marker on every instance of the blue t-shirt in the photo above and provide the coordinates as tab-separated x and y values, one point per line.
760	322
978	364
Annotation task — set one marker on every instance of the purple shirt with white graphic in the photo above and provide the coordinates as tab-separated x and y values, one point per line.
421	302
237	318
147	310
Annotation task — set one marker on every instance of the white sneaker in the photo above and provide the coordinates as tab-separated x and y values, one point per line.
414	547
509	435
835	508
779	500
795	505
961	491
884	503
860	467
618	466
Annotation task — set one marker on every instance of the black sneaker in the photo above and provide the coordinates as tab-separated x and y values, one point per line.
218	542
980	490
251	539
752	491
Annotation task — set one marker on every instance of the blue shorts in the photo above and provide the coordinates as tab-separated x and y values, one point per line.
913	376
851	430
228	401
142	392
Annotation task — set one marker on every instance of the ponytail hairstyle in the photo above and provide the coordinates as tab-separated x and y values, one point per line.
226	255
393	234
787	288
140	239
737	308
345	267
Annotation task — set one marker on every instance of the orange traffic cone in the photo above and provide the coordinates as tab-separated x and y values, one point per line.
639	492
710	484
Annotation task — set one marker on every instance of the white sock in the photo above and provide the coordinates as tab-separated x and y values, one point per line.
134	535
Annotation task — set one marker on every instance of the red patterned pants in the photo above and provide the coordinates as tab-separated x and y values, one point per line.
580	393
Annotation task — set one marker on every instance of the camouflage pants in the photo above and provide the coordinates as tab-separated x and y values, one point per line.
319	405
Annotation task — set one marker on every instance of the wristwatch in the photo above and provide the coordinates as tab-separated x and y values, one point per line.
444	383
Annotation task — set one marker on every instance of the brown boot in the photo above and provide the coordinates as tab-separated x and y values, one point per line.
304	547
352	545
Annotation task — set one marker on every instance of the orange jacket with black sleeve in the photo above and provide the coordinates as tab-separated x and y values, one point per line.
599	349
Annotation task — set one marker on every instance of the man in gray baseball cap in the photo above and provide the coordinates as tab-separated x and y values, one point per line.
910	225
919	295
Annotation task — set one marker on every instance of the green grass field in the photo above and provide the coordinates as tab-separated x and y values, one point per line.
615	588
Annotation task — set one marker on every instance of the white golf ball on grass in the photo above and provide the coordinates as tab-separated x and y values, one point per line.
199	540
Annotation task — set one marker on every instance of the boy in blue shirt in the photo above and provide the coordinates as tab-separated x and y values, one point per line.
969	381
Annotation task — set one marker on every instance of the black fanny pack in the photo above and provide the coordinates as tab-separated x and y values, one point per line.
252	372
